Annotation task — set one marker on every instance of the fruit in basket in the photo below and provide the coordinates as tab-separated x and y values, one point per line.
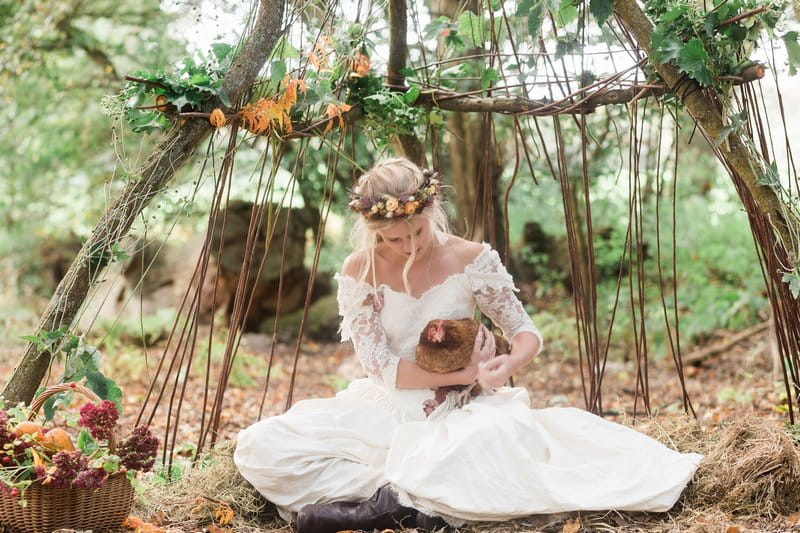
29	428
57	439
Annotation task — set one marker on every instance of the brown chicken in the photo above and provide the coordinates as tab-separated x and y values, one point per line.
446	345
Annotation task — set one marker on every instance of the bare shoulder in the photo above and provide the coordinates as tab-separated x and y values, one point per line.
353	264
462	250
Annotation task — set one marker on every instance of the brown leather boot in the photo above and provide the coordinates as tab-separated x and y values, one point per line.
382	511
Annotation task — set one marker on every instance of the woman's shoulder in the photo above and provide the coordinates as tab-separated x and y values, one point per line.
354	264
464	252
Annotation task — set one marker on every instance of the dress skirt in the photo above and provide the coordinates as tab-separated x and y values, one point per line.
492	459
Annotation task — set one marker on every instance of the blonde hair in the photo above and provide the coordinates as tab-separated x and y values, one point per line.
395	176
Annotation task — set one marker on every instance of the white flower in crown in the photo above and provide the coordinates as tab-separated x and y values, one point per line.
391	203
374	208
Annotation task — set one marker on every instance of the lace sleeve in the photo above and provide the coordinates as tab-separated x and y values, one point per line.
361	324
494	289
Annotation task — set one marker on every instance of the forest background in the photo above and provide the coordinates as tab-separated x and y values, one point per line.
74	140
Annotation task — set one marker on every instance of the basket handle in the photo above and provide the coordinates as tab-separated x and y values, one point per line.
38	402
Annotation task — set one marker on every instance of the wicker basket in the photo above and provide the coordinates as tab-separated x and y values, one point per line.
50	508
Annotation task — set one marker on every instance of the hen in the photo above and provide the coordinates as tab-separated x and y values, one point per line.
446	345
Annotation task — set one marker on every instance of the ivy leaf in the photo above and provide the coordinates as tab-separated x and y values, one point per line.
435	27
144	122
567	12
692	60
711	23
665	47
793	279
535	18
793	51
411	95
601	10
673	14
86	443
199	79
97	383
221	51
524	8
472	27
488	76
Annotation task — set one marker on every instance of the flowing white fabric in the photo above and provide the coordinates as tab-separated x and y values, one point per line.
492	459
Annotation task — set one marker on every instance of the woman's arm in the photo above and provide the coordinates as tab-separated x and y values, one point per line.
496	372
411	376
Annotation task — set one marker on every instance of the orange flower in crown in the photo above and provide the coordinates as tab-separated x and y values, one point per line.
405	205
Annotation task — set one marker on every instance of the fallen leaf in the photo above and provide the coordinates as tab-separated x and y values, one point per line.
793	519
733	529
158	518
223	514
572	526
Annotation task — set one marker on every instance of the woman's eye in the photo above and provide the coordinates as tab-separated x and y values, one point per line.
419	232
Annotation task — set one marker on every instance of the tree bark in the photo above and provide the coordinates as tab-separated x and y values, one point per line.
172	152
409	145
735	153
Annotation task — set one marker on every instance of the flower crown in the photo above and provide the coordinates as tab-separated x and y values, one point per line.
405	205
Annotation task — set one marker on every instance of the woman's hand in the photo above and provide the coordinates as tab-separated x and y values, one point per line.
482	350
495	372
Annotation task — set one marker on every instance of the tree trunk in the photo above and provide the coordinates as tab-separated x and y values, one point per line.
474	166
409	145
171	153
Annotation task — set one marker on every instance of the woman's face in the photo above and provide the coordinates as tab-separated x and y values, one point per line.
402	236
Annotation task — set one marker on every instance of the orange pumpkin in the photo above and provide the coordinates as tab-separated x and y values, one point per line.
29	428
57	439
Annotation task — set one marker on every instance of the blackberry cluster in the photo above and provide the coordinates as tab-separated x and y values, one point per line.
99	419
91	478
68	465
138	451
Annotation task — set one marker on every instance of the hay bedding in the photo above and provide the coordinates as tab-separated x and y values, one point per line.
749	480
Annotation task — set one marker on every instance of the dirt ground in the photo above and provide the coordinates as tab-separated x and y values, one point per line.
737	382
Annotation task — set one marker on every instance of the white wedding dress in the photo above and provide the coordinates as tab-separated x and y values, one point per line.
492	459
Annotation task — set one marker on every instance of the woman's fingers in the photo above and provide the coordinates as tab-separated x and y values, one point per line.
492	364
489	345
479	338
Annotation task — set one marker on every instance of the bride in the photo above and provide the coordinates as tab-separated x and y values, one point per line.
374	457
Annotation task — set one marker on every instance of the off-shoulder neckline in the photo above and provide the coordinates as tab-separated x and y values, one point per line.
487	249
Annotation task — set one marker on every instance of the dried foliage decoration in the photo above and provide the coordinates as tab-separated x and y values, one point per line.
273	114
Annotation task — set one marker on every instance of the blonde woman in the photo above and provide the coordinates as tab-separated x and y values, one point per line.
377	456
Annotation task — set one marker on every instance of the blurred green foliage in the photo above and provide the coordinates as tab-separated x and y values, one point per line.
62	159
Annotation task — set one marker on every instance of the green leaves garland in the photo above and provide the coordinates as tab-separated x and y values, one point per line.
705	45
